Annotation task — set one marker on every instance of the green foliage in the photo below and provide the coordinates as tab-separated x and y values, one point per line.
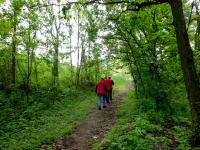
39	124
142	39
197	60
40	121
5	27
182	135
121	80
47	86
142	127
2	1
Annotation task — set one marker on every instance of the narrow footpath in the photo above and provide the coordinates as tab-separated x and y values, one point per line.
93	128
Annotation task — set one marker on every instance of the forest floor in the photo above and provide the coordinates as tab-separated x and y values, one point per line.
94	127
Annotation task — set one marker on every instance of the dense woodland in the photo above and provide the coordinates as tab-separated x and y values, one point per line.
53	52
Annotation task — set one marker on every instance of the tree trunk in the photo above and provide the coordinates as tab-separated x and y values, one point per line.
35	70
133	76
135	62
57	25
28	65
82	61
188	68
55	65
14	50
70	50
197	35
78	54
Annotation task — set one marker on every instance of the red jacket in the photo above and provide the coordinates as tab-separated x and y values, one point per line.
101	88
110	83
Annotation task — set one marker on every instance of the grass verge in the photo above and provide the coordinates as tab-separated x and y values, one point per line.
141	127
39	124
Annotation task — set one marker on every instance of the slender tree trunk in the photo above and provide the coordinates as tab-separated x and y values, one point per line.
57	25
30	56
82	61
14	50
89	76
70	50
78	55
154	65
28	65
55	65
188	67
97	66
35	70
134	58
133	76
136	64
154	71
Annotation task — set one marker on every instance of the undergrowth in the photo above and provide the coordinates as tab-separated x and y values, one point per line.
38	125
141	127
43	123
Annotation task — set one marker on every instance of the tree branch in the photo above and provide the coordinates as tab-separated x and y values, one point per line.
137	5
81	3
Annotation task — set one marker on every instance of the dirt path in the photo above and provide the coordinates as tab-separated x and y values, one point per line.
93	128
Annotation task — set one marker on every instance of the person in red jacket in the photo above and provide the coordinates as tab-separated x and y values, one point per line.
101	92
110	84
106	96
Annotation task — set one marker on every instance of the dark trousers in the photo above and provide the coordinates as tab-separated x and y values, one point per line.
109	95
106	98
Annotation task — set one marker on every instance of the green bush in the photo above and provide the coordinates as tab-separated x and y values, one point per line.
142	127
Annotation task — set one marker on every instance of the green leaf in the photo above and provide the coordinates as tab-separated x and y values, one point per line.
2	1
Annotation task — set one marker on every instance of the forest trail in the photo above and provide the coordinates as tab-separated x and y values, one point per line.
94	127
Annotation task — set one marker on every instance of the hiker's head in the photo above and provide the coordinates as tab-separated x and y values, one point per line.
102	79
109	77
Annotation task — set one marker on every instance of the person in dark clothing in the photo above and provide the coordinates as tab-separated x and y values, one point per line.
101	90
106	96
110	84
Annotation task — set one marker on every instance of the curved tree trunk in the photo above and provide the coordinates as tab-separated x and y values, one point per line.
188	67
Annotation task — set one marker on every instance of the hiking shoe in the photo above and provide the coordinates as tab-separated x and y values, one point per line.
99	107
104	106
